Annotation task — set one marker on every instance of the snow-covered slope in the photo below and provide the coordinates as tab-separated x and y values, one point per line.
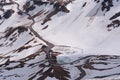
85	27
59	39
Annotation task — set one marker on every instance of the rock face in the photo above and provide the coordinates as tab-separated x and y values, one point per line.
59	39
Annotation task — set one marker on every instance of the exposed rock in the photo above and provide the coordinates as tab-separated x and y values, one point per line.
8	13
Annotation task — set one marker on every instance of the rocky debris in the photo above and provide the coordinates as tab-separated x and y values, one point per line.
40	2
48	17
45	27
28	7
57	7
0	17
107	4
19	29
37	14
11	35
8	13
19	13
32	7
60	7
23	48
113	24
84	4
97	1
115	16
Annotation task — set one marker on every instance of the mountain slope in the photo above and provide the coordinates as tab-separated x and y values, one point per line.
59	39
86	27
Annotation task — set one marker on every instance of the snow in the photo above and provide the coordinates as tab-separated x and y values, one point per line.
86	32
81	32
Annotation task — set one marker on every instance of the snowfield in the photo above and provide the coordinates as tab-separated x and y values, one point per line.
59	40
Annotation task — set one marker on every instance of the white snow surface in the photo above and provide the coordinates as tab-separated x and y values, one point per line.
81	28
81	32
